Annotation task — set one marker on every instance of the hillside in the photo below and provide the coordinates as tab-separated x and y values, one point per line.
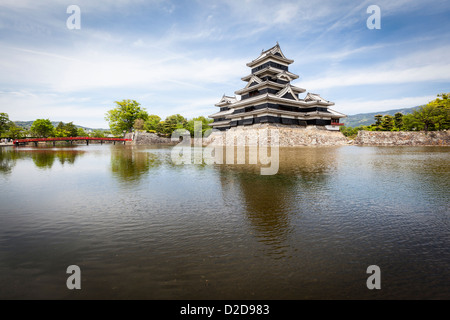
27	125
366	119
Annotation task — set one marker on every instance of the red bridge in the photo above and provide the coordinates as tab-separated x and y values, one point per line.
71	139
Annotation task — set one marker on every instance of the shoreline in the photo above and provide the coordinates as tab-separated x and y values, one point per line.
301	138
9	144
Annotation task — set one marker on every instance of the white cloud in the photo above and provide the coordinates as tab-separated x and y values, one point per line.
91	69
25	105
199	52
373	76
104	5
286	13
421	66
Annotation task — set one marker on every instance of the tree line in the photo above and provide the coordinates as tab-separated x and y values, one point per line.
434	116
43	128
129	115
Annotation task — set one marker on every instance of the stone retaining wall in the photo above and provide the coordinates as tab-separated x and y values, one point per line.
288	136
145	138
293	136
403	138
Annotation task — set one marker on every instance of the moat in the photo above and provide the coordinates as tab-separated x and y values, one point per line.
139	226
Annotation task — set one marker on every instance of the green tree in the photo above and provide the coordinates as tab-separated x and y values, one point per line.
138	124
4	122
174	122
387	123
425	116
71	129
377	125
97	134
160	127
15	132
410	123
398	120
122	117
60	130
441	114
442	118
81	133
433	116
351	132
378	119
152	122
42	128
205	124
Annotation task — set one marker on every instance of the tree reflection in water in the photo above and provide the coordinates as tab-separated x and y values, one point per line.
8	158
130	164
43	158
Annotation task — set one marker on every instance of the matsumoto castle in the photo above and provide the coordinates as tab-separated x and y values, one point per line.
269	97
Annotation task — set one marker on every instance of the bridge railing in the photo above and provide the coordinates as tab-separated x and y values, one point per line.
67	139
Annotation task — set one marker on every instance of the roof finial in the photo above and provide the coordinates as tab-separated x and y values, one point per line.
278	44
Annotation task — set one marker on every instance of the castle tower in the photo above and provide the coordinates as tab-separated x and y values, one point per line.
269	97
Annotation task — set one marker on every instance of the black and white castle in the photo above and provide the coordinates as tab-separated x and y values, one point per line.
269	97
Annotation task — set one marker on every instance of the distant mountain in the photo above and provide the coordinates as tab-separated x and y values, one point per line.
27	125
366	119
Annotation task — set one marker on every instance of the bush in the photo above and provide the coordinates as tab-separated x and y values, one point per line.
351	132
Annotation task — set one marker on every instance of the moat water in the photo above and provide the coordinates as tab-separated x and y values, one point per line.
139	226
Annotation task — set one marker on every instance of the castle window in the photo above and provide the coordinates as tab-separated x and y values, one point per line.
253	93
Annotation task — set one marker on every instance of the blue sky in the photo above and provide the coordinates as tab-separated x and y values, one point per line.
182	56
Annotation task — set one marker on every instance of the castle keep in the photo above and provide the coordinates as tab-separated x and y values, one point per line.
269	97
